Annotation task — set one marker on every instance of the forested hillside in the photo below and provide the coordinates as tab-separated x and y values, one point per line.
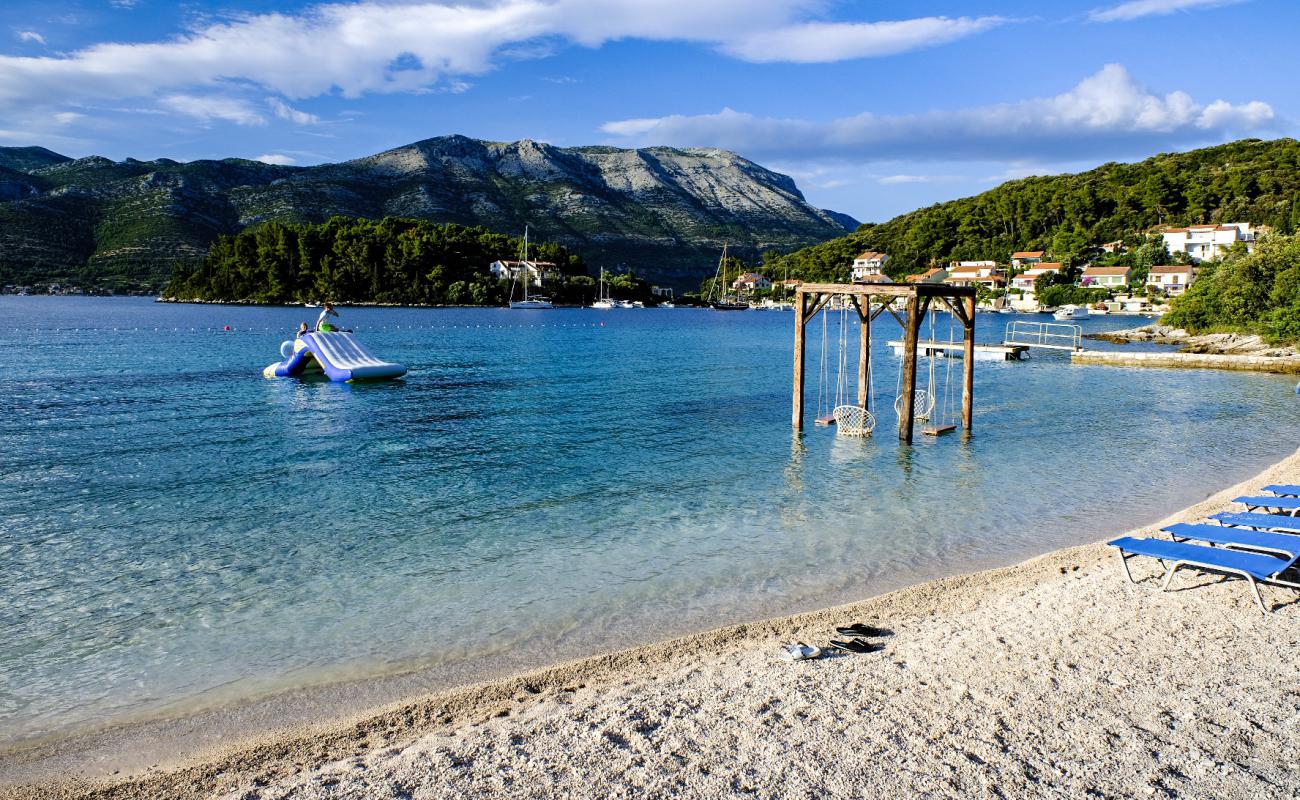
356	260
1250	181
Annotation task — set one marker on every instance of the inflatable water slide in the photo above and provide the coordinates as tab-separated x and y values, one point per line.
339	356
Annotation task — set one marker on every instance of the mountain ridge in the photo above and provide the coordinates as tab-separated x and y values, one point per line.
662	211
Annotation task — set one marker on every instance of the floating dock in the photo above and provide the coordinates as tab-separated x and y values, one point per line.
983	352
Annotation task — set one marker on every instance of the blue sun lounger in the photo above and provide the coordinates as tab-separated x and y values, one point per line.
1283	489
1254	567
1283	544
1263	522
1290	505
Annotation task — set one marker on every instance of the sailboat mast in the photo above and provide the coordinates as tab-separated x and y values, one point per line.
523	266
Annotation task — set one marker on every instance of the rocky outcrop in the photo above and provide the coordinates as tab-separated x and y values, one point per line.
664	212
1240	344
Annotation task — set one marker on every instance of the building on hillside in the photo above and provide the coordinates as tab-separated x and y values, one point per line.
665	292
975	276
1107	277
1024	282
791	284
511	270
1116	246
867	264
750	281
1205	242
932	275
1026	258
1172	280
992	266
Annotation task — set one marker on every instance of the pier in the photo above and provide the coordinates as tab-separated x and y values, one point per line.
983	352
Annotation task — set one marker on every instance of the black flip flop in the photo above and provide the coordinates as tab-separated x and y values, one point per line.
858	629
855	646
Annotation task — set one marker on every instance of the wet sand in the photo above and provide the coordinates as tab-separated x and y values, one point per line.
1053	677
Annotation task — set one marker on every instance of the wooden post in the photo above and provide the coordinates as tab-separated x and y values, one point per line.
863	304
968	367
905	419
800	305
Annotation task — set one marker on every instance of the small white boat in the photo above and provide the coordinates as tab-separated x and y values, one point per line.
603	301
1071	311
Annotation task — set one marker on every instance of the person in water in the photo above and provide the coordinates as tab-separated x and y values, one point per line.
302	328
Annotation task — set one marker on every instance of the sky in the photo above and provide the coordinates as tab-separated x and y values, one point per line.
874	108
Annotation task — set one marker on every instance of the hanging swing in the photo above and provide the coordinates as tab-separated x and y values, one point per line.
825	414
946	424
852	419
922	399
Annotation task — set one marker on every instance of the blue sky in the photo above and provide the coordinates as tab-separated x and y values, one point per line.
875	108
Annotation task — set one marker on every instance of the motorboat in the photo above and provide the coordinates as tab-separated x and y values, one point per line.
1071	312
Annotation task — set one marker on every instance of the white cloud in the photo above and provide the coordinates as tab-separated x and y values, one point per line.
213	107
896	180
1103	111
821	42
1135	9
30	36
285	111
68	117
275	158
355	48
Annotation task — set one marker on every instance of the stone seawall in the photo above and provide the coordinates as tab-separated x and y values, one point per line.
1285	364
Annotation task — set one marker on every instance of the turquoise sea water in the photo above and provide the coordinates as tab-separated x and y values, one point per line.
176	530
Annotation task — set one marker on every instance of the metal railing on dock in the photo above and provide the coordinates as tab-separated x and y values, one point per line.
1053	336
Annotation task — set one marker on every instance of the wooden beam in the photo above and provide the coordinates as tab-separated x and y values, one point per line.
883	308
912	328
968	368
956	309
800	318
892	289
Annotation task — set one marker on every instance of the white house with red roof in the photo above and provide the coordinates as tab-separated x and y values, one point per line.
932	275
750	281
1108	277
1026	258
1205	242
1170	279
868	264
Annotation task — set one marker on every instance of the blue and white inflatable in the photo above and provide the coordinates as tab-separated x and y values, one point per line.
339	356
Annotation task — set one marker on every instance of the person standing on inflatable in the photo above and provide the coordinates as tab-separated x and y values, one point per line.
322	322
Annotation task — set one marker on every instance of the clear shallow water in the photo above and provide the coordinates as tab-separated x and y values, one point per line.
176	530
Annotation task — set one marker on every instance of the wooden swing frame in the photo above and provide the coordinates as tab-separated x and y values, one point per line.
812	298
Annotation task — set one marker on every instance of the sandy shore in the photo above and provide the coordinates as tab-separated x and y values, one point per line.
1050	678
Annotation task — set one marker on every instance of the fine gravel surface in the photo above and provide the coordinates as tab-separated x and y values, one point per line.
1053	678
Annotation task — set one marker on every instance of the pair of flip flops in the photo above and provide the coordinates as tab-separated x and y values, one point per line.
858	643
798	651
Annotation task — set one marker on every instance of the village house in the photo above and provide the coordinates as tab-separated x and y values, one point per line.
1172	280
1204	242
750	281
932	275
791	284
1026	258
511	270
1108	277
1116	246
975	276
868	264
